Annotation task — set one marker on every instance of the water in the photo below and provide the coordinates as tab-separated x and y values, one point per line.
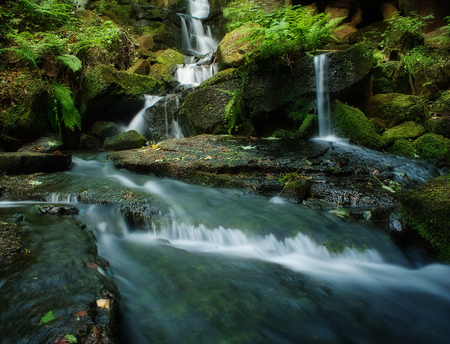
226	266
138	123
199	8
196	36
323	98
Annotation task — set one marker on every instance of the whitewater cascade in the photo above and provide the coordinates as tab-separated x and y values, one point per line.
138	123
321	67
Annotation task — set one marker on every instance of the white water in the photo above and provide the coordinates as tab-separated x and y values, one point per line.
138	123
192	74
199	8
323	98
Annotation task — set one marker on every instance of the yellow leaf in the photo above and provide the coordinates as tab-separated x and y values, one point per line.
103	303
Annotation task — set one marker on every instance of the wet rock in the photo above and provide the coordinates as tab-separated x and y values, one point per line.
105	129
57	210
45	144
129	140
27	163
427	211
88	142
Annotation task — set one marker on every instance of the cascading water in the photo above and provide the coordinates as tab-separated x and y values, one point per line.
323	98
138	123
198	8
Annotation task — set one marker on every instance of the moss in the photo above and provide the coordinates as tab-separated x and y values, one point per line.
300	107
427	210
403	147
395	108
390	77
407	130
217	78
433	147
353	124
378	124
309	127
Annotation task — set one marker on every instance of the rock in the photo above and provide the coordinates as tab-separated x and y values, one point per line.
45	144
407	130
337	12
353	124
234	50
129	140
145	43
440	9
390	77
27	162
81	4
105	129
58	210
427	210
297	190
141	67
344	31
442	127
166	63
387	10
88	142
433	147
403	147
395	108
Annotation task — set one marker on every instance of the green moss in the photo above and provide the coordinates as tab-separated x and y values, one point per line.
433	147
300	107
427	210
407	130
353	124
403	147
309	127
219	77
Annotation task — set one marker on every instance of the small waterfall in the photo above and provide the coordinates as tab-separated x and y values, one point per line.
199	8
323	98
138	122
196	36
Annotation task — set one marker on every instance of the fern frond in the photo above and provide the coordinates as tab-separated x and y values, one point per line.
63	110
71	61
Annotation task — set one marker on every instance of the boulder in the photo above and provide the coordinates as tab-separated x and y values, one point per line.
164	64
88	142
105	129
234	50
427	210
433	147
395	108
129	140
407	130
403	147
45	144
145	43
27	162
389	77
141	67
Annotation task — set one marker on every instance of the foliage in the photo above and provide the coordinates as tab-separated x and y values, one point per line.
48	317
444	38
61	108
71	61
418	58
408	30
288	30
434	147
71	338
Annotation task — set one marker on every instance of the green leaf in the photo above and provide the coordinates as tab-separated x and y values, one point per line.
341	212
71	338
71	61
388	188
48	317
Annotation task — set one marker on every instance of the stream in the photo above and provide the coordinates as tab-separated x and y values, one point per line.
226	266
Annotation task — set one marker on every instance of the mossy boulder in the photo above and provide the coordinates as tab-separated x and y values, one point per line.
351	123
297	190
309	127
46	144
390	77
433	147
407	130
129	140
165	63
105	129
234	50
403	147
395	108
427	210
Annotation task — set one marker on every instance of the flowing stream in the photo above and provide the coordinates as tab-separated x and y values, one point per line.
225	266
323	97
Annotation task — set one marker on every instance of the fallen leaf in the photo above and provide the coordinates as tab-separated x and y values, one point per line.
57	152
80	314
209	157
248	147
103	303
91	265
48	317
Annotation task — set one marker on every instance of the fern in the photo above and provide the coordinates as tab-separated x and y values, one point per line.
71	61
61	108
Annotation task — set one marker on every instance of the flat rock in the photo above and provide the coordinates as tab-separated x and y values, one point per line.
28	162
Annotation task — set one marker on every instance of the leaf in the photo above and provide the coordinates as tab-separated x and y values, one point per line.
48	317
247	147
71	338
34	182
103	303
71	61
388	188
80	314
340	212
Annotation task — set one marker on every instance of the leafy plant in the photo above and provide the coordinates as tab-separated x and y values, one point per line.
48	317
71	61
61	108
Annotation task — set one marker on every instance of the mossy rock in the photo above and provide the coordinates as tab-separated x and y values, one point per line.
407	130
395	108
351	123
102	78
234	50
433	147
309	127
105	129
403	147
427	210
129	140
297	190
390	77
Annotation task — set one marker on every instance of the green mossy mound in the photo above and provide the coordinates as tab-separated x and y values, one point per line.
433	147
164	64
403	147
351	123
390	77
407	130
427	210
234	50
395	108
129	140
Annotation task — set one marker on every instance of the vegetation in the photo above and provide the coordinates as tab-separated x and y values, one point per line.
286	31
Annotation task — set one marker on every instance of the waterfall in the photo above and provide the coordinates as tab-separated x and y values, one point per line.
138	123
197	39
323	98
